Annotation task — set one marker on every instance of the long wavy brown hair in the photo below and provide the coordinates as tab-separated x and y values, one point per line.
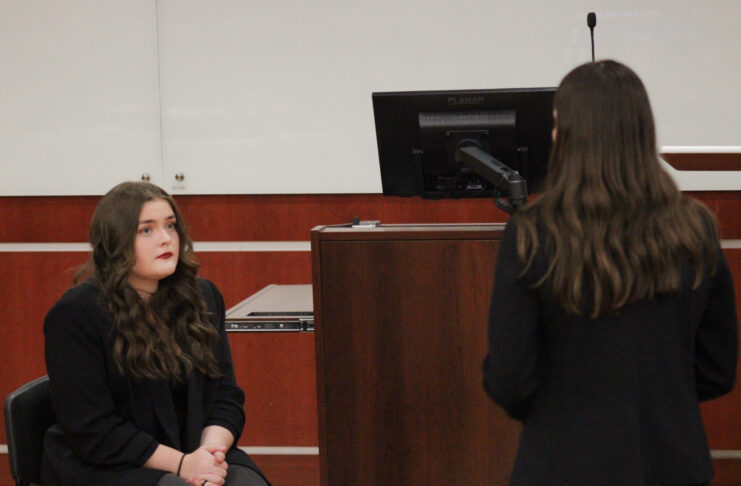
170	335
612	224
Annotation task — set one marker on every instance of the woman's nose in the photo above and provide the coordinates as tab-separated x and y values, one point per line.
165	236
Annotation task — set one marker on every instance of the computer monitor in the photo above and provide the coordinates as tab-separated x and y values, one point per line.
419	132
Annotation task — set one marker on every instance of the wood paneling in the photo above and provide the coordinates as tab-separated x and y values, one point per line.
273	369
279	217
726	206
703	161
240	274
721	416
46	219
29	284
400	340
240	218
727	472
292	217
277	371
290	470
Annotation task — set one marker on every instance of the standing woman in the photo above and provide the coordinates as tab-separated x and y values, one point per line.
142	381
613	310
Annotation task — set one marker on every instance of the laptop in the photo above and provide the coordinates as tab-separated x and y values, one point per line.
276	308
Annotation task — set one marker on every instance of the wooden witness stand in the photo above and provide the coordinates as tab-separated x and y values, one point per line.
400	329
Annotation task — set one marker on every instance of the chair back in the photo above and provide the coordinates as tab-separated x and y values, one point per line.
28	414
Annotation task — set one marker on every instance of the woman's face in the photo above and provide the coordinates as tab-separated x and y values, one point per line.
156	246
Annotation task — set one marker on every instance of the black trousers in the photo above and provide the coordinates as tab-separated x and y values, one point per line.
235	476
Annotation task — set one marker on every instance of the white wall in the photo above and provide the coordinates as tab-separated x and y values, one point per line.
275	96
79	99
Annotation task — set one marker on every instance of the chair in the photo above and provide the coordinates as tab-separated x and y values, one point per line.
28	415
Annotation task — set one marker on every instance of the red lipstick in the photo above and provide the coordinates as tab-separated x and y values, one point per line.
165	255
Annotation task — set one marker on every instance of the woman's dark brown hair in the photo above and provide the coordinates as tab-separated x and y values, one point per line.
169	336
612	223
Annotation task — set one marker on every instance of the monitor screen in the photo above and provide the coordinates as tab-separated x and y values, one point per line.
418	133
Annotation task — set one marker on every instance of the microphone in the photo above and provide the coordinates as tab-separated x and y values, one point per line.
591	22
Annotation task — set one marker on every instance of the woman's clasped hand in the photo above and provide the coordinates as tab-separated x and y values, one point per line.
204	466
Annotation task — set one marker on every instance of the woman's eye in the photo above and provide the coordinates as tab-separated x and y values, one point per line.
171	226
145	231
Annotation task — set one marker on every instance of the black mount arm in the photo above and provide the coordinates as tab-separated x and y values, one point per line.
508	182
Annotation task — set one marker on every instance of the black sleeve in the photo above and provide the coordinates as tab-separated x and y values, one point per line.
228	410
511	372
81	396
716	344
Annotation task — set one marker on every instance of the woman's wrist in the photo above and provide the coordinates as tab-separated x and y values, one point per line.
180	465
166	458
217	435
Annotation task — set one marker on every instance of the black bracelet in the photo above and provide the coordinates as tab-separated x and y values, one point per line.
180	465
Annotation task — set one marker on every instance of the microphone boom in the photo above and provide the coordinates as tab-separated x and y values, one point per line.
591	23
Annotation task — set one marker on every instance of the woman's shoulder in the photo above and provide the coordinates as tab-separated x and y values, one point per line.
210	293
526	240
691	207
79	307
528	221
81	295
532	213
207	288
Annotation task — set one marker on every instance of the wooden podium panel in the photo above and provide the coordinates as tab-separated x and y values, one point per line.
400	329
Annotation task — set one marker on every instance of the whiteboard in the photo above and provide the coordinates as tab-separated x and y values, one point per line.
275	96
79	98
257	96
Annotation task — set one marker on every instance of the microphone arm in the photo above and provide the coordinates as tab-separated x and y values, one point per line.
591	23
506	180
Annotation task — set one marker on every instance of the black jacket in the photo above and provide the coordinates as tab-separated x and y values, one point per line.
614	400
109	425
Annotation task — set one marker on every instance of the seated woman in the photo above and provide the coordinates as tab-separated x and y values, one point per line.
142	381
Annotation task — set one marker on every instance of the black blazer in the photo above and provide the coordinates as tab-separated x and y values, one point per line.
614	400
108	425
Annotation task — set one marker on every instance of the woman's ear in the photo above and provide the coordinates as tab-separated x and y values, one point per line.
554	131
